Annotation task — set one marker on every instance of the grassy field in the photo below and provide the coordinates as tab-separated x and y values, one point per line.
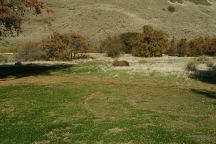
88	103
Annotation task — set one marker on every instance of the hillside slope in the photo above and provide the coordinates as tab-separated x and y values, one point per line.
100	18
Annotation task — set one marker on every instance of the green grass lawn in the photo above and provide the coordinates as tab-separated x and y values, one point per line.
87	104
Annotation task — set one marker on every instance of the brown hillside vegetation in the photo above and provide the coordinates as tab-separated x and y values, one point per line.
99	19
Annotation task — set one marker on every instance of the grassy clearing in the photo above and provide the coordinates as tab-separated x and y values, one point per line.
91	104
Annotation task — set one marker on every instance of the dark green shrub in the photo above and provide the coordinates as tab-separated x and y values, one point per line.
112	46
171	9
117	63
127	40
151	43
65	46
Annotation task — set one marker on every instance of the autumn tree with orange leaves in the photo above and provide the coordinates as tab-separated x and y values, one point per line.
12	13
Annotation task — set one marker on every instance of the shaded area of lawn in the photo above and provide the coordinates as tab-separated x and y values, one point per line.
208	76
19	71
206	93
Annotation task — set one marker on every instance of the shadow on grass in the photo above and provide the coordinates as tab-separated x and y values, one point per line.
28	70
208	76
206	93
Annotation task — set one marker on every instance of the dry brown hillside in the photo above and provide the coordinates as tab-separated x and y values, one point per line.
99	18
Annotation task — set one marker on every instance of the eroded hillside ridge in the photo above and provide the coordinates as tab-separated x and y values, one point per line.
99	19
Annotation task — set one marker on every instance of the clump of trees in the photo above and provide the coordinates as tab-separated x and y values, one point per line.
12	13
112	46
198	46
155	43
58	46
127	41
65	46
149	43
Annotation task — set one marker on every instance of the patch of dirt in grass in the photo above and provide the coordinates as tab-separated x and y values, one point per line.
202	138
105	106
8	108
58	135
115	130
42	142
39	80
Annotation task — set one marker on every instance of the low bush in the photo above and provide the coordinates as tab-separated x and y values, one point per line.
203	59
210	64
31	52
65	46
151	43
112	46
143	61
191	66
117	63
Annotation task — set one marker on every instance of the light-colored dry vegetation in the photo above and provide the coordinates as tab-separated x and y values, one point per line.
98	19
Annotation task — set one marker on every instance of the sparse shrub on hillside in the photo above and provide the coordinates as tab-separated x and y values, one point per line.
128	40
112	46
171	9
65	46
117	63
31	52
151	43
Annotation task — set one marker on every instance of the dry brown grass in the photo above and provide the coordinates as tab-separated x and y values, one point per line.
97	19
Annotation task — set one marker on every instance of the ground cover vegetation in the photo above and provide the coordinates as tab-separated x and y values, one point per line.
85	104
